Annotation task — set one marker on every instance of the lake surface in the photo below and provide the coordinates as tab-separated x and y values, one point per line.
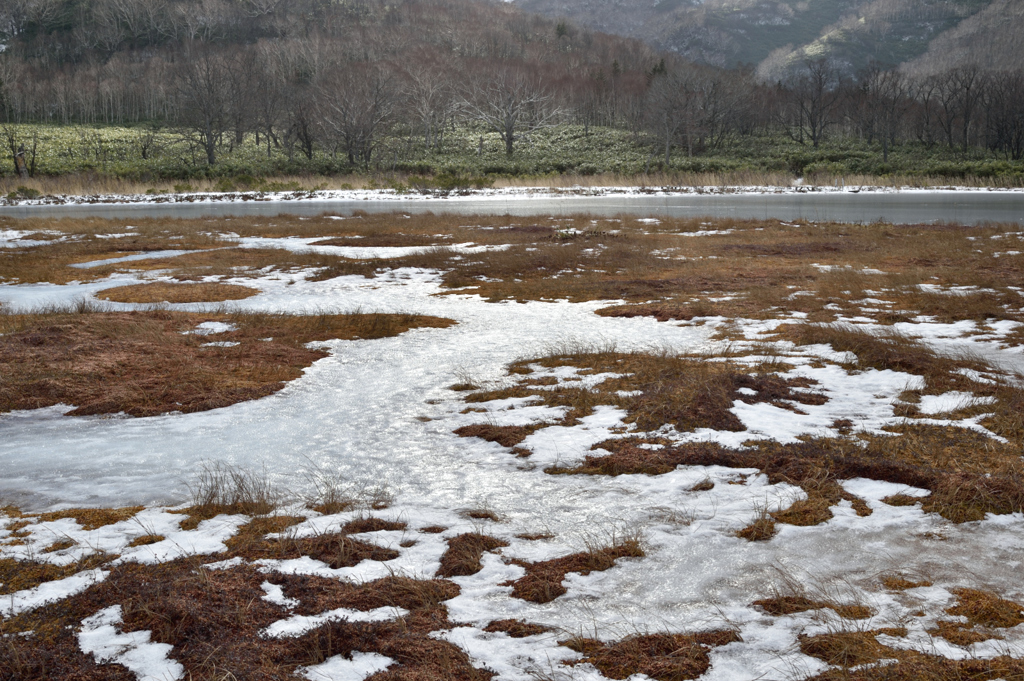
960	207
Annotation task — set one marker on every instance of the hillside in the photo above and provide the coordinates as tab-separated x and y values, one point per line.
771	34
990	38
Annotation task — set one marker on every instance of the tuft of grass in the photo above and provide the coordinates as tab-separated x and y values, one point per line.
506	436
371	524
899	582
146	540
161	292
984	608
516	628
462	557
543	580
849	648
666	657
221	489
761	528
789	605
93	518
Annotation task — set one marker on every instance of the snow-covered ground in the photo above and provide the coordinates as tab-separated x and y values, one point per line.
501	193
379	412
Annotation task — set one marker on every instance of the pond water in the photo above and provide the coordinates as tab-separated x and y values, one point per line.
911	207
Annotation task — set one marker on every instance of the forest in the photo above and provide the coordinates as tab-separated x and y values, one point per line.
259	88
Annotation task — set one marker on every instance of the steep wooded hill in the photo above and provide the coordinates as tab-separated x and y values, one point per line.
772	34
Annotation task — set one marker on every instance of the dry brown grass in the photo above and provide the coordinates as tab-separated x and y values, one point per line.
543	581
666	657
212	618
849	648
984	608
506	436
17	575
464	553
143	363
516	628
789	605
160	292
92	518
899	582
761	263
686	392
853	655
894	351
968	474
761	528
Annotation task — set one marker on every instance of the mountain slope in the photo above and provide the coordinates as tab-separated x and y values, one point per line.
772	34
991	39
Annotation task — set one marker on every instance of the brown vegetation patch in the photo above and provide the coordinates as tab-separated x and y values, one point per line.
655	390
849	648
145	363
762	263
382	240
161	292
213	619
789	605
335	549
543	581
984	608
93	518
890	350
18	575
959	634
762	528
60	545
898	582
482	514
914	666
464	553
666	657
433	529
506	436
968	474
146	540
371	524
516	628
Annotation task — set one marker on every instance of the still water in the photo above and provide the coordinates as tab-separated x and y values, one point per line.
960	207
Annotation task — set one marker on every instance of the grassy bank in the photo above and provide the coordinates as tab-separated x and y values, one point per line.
79	159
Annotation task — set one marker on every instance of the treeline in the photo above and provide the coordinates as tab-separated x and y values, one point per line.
301	77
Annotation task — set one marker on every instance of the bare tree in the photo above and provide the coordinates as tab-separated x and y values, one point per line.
1004	103
201	87
668	108
813	95
511	101
355	106
887	96
430	98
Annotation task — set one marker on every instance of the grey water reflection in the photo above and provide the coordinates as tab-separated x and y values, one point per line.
959	207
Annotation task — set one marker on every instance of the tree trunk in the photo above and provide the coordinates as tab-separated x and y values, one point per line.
19	163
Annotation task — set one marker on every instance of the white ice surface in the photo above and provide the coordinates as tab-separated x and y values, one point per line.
360	413
148	661
307	245
147	255
356	668
296	625
49	592
951	401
